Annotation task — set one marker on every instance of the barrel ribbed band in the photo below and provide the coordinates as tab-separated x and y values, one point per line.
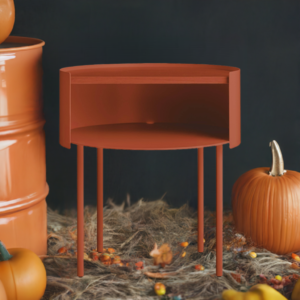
10	206
36	125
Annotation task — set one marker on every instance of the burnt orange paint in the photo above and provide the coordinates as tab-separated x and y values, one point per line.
150	107
80	210
200	199
100	200
23	187
219	209
204	96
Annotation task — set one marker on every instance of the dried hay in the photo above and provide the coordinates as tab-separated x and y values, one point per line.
132	231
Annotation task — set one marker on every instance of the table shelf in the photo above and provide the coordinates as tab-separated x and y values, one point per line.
143	136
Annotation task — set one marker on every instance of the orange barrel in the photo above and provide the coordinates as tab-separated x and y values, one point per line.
23	187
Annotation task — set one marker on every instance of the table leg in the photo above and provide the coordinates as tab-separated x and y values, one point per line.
219	210
100	199
200	200
80	212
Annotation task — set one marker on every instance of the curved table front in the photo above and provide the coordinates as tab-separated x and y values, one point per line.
149	136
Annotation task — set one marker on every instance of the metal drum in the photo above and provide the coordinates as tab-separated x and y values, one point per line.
23	187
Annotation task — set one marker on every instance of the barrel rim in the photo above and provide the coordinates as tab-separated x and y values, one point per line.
33	43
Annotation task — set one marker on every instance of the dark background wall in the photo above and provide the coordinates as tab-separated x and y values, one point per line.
260	37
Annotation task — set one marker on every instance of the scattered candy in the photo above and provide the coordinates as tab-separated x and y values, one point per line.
139	265
116	260
236	277
94	253
95	258
160	289
295	266
280	282
199	268
263	278
295	277
73	235
62	250
163	255
105	258
295	257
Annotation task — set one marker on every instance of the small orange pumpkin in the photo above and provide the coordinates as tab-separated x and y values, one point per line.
22	273
266	206
2	292
7	18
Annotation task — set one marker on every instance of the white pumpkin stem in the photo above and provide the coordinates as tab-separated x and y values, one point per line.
4	255
277	168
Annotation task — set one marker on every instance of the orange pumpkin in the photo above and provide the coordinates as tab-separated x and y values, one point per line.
2	292
22	274
266	206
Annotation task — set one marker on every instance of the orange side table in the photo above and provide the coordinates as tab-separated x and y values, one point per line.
150	107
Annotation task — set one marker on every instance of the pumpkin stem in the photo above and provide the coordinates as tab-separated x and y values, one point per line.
277	168
4	255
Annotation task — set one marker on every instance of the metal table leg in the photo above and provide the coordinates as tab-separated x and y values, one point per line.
200	200
100	199
80	211
219	209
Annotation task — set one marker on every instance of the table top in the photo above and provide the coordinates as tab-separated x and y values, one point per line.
159	73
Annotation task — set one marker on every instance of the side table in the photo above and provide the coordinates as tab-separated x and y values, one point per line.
150	107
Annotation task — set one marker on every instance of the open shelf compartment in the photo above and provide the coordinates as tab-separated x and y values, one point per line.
149	106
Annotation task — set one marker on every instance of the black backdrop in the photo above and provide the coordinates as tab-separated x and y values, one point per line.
260	37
